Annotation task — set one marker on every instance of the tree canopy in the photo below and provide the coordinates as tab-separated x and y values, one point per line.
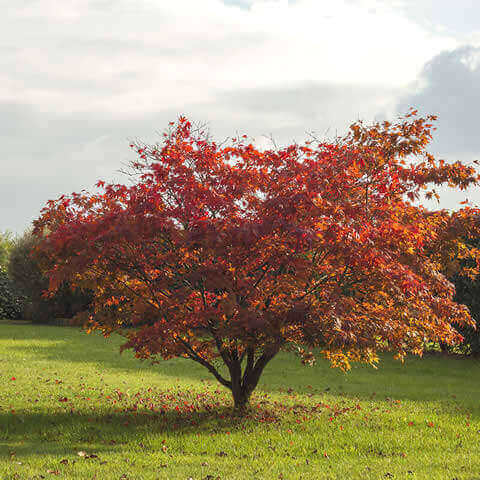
6	245
222	252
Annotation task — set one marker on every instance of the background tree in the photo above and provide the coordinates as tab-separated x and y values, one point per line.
226	253
11	303
467	292
28	280
6	244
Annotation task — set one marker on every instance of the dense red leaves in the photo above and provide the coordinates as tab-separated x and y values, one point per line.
227	251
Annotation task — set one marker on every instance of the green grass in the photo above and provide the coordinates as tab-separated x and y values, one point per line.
74	393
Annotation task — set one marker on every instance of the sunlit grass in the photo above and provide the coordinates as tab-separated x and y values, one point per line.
72	407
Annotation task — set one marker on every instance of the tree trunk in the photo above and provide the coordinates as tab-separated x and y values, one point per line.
444	347
242	386
241	399
240	390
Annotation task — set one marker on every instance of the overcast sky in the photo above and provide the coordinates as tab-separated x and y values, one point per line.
79	79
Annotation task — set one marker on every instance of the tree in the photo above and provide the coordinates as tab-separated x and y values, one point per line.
6	244
467	290
226	254
30	283
28	279
11	302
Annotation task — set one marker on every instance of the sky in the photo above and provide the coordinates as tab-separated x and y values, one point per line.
80	79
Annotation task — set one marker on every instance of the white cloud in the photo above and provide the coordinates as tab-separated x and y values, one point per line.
78	77
139	56
459	18
449	87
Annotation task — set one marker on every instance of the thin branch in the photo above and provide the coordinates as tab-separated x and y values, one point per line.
193	355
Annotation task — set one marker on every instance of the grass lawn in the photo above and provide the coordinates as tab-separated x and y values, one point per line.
72	407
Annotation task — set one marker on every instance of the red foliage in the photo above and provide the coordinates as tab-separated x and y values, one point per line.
227	252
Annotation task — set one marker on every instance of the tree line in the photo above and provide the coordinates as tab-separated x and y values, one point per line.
23	285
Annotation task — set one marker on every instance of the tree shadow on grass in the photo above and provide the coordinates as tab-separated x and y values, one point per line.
64	434
70	426
67	434
434	378
72	345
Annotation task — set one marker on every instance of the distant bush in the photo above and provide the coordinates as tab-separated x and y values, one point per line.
29	280
468	293
6	244
11	302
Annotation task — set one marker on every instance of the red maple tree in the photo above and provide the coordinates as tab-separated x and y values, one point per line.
224	253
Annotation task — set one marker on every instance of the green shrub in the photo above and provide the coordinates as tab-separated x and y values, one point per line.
6	244
468	293
11	302
28	278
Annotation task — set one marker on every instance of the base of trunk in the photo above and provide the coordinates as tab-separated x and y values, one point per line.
241	402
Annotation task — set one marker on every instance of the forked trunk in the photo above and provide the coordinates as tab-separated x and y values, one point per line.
242	392
242	385
240	401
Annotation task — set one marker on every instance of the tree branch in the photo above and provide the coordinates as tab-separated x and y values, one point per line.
193	355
